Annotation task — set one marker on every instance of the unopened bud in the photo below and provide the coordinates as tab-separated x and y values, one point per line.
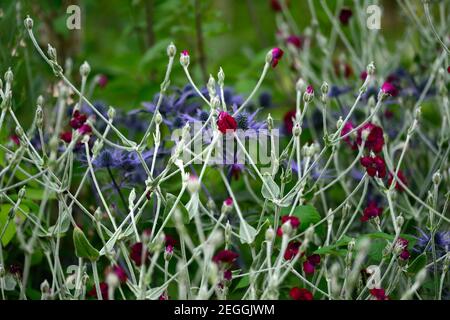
28	22
437	178
171	50
270	234
85	69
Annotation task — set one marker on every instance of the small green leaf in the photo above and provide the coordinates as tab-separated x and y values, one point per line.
246	232
418	264
243	283
83	248
270	190
170	201
308	215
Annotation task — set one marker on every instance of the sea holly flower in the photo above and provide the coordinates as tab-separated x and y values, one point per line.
294	221
225	257
375	138
300	294
371	211
226	122
441	241
401	177
277	54
375	166
345	15
379	294
292	250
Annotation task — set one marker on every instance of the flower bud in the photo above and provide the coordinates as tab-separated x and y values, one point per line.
111	112
184	59
286	228
171	50
270	234
437	178
193	185
40	101
228	230
325	88
158	118
211	86
221	77
28	22
371	68
339	123
227	205
300	85
51	53
85	68
168	253
9	76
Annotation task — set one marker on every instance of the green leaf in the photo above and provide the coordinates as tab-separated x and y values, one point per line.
170	201
243	283
418	264
10	231
308	215
270	190
65	224
246	232
83	248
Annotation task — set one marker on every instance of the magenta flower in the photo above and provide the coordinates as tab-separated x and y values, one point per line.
102	81
375	166
225	256
375	139
85	129
277	54
66	136
300	294
400	177
371	211
185	53
292	250
345	15
389	89
310	90
226	122
136	253
296	41
379	294
295	223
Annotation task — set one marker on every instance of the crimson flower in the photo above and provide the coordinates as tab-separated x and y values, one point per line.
225	256
103	291
276	5
119	272
296	41
185	53
66	136
348	127
292	250
15	138
371	211
375	139
85	129
343	69
403	243
300	294
363	75
136	253
379	294
400	177
102	81
311	263
227	275
375	166
389	88
226	122
345	15
287	120
78	119
295	223
277	53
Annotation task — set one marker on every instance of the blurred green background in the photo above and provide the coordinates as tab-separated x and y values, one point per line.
126	40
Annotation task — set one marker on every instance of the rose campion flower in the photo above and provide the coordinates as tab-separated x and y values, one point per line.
389	89
375	139
379	294
371	211
375	166
300	294
292	250
401	177
345	15
277	54
225	256
295	223
226	122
